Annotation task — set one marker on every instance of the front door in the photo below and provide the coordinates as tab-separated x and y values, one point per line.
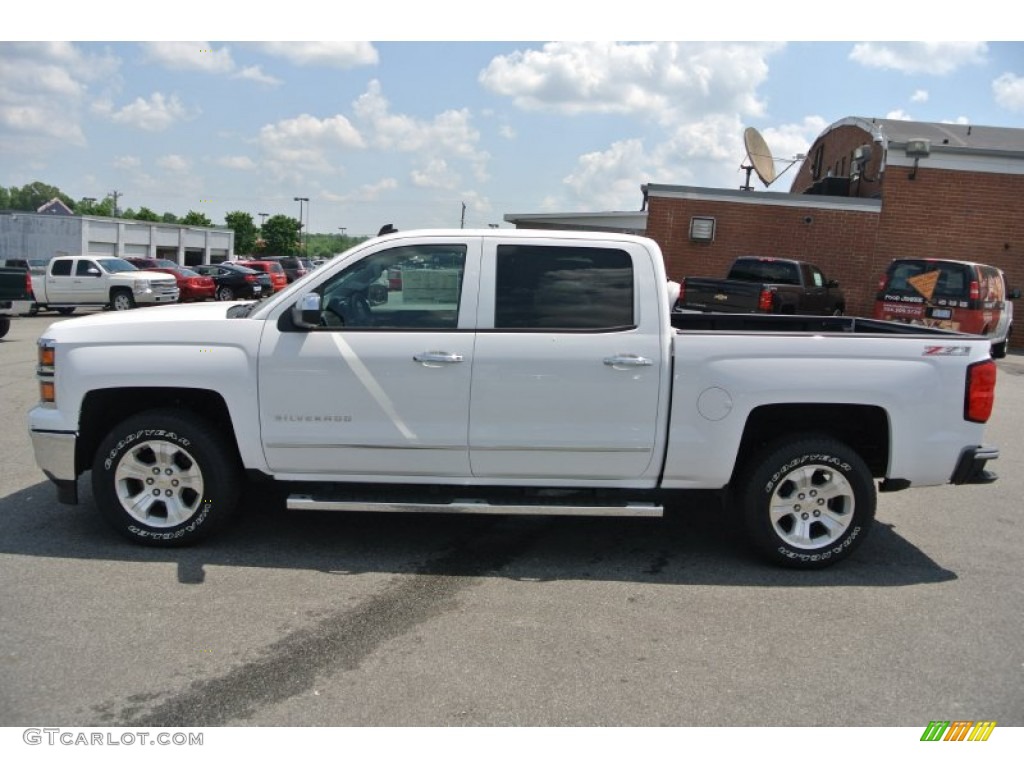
381	390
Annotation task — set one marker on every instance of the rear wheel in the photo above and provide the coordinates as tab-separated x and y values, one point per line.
164	479
225	293
65	310
5	326
806	502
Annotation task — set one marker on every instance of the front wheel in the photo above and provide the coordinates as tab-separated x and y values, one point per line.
807	502
164	479
121	301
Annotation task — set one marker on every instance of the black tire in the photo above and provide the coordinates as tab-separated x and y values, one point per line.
165	479
999	349
806	502
5	326
225	293
65	310
121	300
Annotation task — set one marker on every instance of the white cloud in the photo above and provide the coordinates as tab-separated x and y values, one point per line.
898	114
1008	90
507	132
435	174
667	81
237	163
304	145
190	56
449	133
43	89
127	163
365	193
338	54
934	58
606	180
710	150
256	75
919	96
174	163
157	113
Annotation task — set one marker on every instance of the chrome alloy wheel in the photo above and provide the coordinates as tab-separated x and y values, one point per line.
159	484
812	507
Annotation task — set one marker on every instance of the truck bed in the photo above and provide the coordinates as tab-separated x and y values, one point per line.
753	323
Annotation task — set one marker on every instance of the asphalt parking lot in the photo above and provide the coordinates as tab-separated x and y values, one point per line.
294	619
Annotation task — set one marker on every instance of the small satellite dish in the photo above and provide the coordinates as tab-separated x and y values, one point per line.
760	158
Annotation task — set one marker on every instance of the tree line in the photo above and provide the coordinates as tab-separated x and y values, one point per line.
278	235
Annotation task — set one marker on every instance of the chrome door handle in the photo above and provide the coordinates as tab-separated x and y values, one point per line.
633	361
437	357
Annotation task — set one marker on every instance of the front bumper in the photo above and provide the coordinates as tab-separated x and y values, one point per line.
970	469
55	455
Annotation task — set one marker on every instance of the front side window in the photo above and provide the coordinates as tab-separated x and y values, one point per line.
413	287
563	288
83	267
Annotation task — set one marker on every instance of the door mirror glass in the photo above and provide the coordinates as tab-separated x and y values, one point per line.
306	312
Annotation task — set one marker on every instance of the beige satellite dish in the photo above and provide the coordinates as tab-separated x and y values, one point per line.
760	157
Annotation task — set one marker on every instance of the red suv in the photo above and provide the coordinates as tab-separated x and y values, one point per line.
278	279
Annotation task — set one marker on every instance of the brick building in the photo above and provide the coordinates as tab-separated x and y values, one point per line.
868	191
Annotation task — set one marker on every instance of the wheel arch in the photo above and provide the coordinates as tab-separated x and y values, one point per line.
865	428
98	405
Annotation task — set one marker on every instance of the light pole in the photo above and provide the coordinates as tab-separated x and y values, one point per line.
300	201
263	218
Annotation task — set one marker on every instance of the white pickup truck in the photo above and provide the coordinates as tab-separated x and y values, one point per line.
105	281
511	372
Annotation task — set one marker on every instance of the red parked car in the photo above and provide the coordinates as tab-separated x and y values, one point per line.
191	285
278	278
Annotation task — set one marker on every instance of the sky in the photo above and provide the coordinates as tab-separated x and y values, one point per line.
433	125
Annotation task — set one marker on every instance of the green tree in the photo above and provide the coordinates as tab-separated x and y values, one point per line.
245	231
5	198
145	214
280	235
90	207
169	218
196	219
31	196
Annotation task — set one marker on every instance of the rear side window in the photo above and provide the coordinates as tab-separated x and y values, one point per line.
555	288
61	268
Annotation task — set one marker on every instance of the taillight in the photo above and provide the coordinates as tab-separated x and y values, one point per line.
251	279
980	391
881	282
682	291
764	301
975	290
28	284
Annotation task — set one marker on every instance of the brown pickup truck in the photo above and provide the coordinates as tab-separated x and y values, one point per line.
764	285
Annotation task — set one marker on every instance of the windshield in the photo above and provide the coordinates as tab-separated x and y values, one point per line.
116	265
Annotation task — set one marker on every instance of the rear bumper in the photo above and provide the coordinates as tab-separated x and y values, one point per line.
970	469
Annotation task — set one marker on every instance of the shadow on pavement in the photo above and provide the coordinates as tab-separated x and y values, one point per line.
695	546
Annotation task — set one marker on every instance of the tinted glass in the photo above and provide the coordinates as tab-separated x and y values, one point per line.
61	268
553	287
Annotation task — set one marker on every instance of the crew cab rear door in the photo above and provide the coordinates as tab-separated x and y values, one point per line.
570	370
